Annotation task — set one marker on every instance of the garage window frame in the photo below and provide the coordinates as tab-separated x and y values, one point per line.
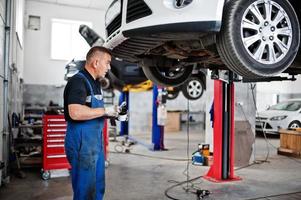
66	41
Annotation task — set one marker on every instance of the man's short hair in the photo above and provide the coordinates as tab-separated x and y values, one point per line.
95	49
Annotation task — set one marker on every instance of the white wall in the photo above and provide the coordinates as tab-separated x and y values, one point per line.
38	67
267	92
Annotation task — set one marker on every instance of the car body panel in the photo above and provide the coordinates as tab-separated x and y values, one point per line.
163	12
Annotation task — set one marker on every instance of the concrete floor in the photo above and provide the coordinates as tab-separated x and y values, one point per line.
133	177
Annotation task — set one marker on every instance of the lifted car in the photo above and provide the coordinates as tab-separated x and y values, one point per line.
124	74
253	38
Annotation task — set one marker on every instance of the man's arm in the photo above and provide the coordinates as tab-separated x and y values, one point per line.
83	112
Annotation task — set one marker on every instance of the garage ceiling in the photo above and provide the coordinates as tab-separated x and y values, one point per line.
90	4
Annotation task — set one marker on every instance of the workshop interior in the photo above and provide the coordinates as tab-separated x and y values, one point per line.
208	96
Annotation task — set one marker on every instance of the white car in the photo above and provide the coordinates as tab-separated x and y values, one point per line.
254	38
285	115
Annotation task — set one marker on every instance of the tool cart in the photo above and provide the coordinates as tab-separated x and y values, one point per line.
54	157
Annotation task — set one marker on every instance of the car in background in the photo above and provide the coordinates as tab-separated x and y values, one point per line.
286	115
253	38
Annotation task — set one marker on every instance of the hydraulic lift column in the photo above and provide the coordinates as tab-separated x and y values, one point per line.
157	128
223	129
124	126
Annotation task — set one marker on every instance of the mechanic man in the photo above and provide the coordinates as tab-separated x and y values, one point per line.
84	111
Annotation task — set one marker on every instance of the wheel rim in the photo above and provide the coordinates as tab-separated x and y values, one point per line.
295	125
194	88
266	31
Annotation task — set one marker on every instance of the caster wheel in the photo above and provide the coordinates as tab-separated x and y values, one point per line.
45	175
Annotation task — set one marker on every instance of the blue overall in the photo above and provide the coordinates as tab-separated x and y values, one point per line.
84	150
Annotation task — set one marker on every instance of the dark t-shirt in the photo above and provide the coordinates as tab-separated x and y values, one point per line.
77	91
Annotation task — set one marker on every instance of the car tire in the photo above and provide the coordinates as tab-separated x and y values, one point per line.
158	75
294	124
193	88
105	83
260	58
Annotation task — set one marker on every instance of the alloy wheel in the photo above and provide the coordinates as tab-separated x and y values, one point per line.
266	31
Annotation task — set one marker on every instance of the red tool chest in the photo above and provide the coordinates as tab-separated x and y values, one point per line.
54	157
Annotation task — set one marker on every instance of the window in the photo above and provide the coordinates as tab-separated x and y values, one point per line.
19	21
288	106
66	42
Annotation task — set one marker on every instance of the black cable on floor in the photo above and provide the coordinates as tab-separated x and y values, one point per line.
200	193
186	171
178	184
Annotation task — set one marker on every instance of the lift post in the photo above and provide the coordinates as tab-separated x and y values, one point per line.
157	130
222	168
124	126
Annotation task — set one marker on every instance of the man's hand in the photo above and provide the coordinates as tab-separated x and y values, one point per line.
111	111
122	112
119	113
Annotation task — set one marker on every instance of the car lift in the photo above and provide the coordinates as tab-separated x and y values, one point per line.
223	124
124	126
222	168
157	130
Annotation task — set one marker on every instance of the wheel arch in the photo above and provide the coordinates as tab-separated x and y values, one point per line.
294	121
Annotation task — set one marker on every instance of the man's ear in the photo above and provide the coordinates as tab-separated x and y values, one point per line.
95	63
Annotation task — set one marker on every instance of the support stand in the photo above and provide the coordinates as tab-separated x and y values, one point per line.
223	128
